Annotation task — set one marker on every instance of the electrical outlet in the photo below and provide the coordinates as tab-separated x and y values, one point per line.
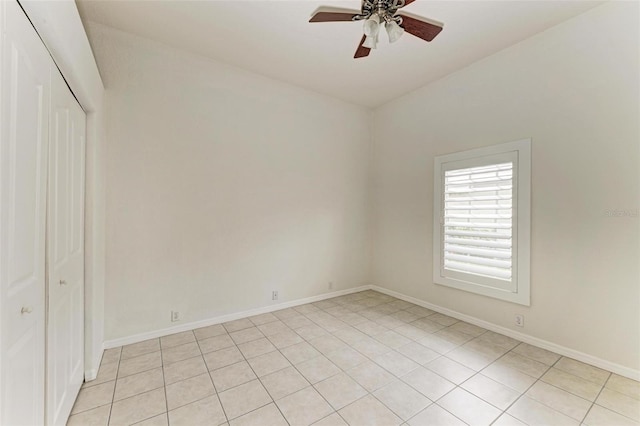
274	295
175	316
330	285
520	320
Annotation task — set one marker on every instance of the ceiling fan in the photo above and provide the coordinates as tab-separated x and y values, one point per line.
378	12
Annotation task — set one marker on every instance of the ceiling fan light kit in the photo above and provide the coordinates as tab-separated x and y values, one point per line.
394	31
372	26
375	12
370	42
371	31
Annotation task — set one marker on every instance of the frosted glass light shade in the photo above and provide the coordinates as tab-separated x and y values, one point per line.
372	26
371	42
394	31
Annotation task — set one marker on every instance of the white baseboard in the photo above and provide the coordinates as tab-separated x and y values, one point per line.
91	369
541	343
91	374
114	343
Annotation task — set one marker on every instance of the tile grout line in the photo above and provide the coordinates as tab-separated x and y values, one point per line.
164	382
423	366
99	384
215	389
480	372
397	414
370	359
447	393
572	375
351	304
147	370
246	360
532	385
188	378
592	403
115	383
292	366
151	390
596	398
311	385
368	393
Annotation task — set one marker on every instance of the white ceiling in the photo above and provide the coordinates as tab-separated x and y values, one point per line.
274	38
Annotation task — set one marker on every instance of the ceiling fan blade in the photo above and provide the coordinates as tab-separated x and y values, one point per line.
333	14
421	28
407	2
362	51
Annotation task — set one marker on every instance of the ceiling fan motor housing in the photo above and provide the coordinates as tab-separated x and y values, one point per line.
385	9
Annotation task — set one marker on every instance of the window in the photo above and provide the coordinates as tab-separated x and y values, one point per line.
482	221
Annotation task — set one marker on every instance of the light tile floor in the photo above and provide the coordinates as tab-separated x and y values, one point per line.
360	359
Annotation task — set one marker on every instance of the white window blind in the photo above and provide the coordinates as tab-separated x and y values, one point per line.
481	221
478	222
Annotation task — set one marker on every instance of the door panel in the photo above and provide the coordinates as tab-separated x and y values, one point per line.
76	244
58	192
24	109
77	184
23	403
58	366
76	367
65	332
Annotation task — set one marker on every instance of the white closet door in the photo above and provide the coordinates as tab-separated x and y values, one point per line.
65	248
24	115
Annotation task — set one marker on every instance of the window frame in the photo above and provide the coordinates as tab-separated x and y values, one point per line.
519	152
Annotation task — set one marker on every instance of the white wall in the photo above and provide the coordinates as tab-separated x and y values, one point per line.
58	24
573	89
223	186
